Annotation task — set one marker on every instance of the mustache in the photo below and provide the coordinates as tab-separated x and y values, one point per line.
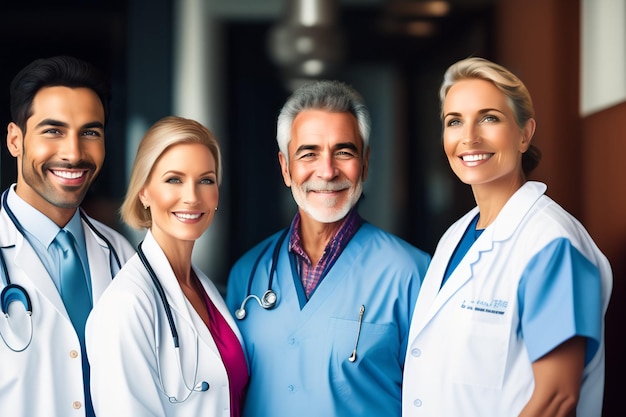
80	165
319	185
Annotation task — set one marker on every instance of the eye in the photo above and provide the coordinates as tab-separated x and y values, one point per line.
309	155
345	154
490	118
93	133
453	122
52	131
173	180
208	181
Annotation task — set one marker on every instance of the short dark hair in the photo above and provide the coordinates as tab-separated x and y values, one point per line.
64	71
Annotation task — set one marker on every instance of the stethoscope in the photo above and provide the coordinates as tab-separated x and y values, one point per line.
13	292
201	386
269	299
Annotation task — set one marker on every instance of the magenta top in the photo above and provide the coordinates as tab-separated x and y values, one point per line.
233	357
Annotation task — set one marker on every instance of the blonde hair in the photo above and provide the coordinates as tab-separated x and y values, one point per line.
164	134
512	87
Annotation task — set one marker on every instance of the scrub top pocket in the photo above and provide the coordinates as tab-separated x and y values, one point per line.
376	352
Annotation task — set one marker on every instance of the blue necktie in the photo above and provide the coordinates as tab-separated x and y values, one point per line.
74	289
77	300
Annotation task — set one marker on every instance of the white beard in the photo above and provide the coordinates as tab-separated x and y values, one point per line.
328	212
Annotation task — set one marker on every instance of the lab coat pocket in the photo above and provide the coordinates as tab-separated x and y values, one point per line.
480	354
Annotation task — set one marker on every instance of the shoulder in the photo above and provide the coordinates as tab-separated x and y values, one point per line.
107	231
548	221
389	245
263	248
131	286
101	231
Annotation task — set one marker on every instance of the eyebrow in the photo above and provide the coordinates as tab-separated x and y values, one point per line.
341	145
481	111
182	174
58	123
346	145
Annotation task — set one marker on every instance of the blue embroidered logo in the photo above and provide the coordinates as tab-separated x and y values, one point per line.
493	307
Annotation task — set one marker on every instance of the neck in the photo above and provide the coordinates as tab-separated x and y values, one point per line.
315	236
178	254
59	215
491	198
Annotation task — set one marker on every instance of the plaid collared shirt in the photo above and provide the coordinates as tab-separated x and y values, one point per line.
311	275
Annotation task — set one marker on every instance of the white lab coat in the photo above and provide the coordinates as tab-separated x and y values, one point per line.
468	362
128	329
46	378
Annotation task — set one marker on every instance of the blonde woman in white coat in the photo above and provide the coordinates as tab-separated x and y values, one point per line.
510	317
139	365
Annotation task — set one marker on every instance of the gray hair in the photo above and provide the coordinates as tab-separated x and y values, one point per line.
331	96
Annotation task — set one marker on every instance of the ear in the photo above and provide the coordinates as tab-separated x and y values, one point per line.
15	139
366	164
143	198
527	135
284	168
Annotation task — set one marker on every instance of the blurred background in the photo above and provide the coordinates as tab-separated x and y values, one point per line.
231	64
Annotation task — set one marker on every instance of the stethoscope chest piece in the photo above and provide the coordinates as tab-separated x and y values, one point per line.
16	330
14	292
267	301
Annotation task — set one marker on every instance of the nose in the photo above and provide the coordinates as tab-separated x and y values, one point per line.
471	134
327	168
70	148
190	193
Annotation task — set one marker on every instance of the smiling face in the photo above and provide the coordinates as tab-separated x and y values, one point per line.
182	193
62	151
327	165
481	139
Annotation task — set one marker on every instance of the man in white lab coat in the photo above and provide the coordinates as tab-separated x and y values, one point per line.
59	107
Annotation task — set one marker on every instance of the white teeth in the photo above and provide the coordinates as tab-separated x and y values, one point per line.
71	175
187	216
474	158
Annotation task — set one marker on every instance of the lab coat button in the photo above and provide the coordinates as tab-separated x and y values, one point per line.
77	405
291	388
292	341
73	354
416	352
417	402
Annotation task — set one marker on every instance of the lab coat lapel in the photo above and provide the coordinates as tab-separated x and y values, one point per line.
161	266
181	309
431	299
29	266
508	220
99	265
219	303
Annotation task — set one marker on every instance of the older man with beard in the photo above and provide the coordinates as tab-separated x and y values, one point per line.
329	337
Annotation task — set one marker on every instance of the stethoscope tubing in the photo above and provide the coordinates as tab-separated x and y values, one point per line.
161	292
275	255
203	386
13	292
269	299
